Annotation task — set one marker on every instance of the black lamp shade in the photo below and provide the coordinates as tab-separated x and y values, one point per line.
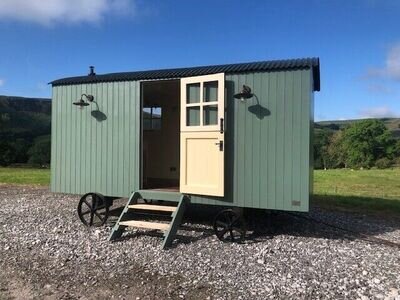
81	103
244	94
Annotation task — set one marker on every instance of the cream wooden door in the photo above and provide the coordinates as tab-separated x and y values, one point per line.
202	135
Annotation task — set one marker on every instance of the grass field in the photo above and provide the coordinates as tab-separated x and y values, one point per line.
376	191
364	183
367	191
25	176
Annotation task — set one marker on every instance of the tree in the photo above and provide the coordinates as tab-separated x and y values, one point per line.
7	154
335	152
393	150
366	141
322	137
39	153
21	147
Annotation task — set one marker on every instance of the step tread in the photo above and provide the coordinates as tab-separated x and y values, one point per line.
146	225
160	195
153	207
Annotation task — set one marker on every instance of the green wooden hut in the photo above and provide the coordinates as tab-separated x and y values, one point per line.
236	135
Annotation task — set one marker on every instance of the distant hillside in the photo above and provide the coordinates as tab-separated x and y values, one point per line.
23	123
13	104
393	124
24	117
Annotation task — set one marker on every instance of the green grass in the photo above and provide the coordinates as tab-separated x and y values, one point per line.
369	191
24	176
365	183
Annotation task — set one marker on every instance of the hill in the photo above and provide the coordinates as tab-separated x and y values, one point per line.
393	124
24	117
23	121
35	105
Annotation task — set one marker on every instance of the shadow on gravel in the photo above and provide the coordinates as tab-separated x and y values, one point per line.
265	225
357	204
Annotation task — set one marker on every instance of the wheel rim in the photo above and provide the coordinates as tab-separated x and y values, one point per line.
93	209
229	226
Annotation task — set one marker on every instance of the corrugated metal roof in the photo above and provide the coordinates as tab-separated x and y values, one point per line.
272	65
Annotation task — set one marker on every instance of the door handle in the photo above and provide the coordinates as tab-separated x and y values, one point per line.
221	125
221	145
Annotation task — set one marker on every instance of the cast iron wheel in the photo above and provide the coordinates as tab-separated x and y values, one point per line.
229	226
93	209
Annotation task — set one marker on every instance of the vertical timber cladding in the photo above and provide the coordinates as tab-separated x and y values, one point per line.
268	144
268	154
96	155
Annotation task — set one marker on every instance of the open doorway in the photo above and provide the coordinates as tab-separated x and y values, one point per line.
161	135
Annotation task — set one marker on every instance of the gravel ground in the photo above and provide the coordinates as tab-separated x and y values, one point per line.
45	253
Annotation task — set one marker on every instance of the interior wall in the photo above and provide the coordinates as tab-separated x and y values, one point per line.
161	147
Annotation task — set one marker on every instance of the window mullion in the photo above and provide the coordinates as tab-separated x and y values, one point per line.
201	103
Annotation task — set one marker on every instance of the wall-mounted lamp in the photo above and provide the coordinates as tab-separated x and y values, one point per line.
81	103
244	94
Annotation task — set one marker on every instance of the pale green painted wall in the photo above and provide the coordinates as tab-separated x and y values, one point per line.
88	155
268	154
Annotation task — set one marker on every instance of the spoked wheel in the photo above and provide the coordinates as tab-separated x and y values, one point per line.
229	226
93	209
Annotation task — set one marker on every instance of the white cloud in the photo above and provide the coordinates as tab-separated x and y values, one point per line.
393	62
48	12
378	112
392	65
2	81
379	88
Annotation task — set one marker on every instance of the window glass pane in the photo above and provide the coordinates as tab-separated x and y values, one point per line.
210	115
156	125
193	93
146	112
152	118
146	124
210	91
193	116
156	112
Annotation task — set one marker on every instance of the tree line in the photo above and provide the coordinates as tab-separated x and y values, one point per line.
21	151
362	144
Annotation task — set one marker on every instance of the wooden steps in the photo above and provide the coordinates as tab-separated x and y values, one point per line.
145	225
153	207
169	229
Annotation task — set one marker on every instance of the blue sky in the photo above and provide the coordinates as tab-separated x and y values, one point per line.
358	43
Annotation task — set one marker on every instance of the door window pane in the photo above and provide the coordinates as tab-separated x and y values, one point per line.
210	91
193	116
210	115
193	93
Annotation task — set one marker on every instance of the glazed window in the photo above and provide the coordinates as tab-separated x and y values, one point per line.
152	118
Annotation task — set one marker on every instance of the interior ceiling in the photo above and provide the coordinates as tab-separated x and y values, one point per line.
155	92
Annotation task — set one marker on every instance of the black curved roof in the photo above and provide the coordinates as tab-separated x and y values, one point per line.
272	65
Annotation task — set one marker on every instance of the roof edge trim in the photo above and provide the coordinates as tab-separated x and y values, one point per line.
259	66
